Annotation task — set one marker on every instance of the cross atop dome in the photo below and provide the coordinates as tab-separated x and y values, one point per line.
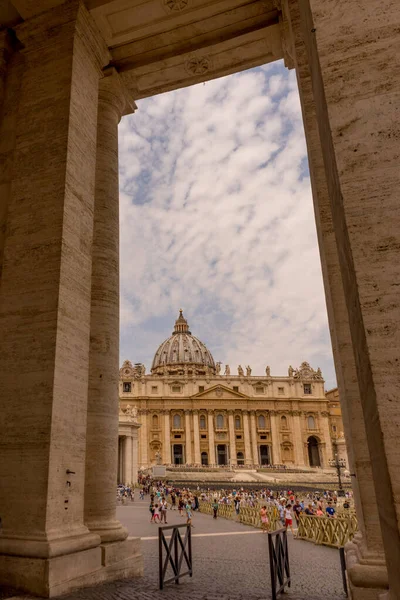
181	325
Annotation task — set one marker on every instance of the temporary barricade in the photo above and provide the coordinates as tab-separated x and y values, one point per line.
278	561
248	515
328	531
177	551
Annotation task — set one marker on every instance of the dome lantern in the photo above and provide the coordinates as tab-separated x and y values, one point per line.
182	353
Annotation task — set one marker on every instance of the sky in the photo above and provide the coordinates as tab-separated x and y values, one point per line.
217	219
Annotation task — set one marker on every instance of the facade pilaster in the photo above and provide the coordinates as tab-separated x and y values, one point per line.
196	438
366	565
232	438
326	435
102	416
144	448
253	430
45	301
167	438
246	432
128	460
211	438
276	446
298	439
188	438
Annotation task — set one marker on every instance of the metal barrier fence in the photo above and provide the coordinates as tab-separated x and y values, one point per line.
278	561
325	530
247	515
177	550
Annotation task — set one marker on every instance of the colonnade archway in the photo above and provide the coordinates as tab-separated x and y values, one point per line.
314	457
59	298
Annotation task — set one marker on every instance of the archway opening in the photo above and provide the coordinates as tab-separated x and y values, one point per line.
314	458
264	455
204	458
178	454
222	455
240	458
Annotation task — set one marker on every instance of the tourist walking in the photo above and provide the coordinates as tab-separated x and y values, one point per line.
288	518
264	519
163	510
215	507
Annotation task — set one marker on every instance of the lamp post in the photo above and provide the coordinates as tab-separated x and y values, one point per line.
338	464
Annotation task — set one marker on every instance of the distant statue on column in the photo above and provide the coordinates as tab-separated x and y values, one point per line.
240	371
248	370
268	371
290	371
218	368
227	370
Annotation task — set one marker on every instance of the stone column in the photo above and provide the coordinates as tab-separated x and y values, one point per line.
196	437
144	440
188	438
326	435
102	418
128	459
246	432
135	462
232	437
211	439
45	306
253	429
167	439
298	439
364	556
275	439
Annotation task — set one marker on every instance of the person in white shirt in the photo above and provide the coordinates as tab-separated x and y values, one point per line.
289	518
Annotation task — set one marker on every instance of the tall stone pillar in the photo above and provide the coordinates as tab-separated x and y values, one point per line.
188	438
232	438
135	458
298	439
326	433
276	446
128	459
102	417
167	439
144	449
365	558
253	430
246	432
45	307
211	438
196	437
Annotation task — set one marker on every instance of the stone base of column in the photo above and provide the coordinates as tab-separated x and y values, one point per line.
367	575
109	531
50	577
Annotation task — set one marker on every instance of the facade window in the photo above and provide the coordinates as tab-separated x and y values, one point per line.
177	421
259	389
154	389
201	388
220	421
155	422
334	428
284	422
261	422
127	386
311	422
202	422
177	437
307	388
235	388
203	436
281	391
238	437
176	388
237	422
263	437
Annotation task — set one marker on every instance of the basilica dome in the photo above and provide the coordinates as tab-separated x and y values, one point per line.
183	353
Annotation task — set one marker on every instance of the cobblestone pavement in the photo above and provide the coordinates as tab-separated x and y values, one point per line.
230	562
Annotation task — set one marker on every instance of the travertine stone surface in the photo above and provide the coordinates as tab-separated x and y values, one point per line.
367	546
45	290
102	412
357	112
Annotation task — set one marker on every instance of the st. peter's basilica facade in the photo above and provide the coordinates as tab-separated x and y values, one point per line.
191	411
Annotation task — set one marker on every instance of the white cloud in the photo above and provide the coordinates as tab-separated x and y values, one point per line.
217	217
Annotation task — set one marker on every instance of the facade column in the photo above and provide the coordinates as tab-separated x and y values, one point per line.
253	430
128	460
232	438
102	417
167	439
135	462
326	434
45	305
246	432
196	438
366	565
298	439
188	438
275	439
211	438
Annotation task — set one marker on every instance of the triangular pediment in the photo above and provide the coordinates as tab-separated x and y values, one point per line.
217	392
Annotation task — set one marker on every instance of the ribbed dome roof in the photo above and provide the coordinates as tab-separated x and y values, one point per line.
182	351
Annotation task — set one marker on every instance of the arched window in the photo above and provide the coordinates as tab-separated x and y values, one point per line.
261	422
155	422
283	422
177	421
202	422
311	422
220	421
237	422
